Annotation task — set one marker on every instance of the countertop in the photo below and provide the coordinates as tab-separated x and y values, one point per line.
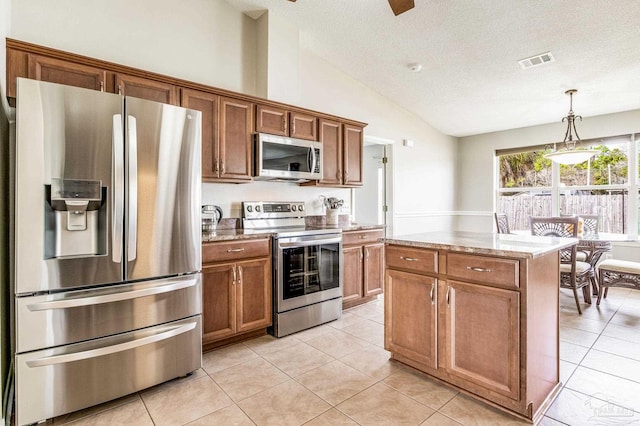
507	245
240	234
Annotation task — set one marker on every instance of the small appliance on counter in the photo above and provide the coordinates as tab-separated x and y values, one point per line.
211	216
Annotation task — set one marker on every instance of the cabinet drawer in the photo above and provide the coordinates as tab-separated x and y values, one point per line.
233	250
361	237
412	259
490	270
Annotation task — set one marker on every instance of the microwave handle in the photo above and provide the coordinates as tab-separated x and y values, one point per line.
311	159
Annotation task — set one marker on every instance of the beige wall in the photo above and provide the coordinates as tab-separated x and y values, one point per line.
476	159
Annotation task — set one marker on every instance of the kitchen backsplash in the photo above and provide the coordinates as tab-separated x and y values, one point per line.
230	196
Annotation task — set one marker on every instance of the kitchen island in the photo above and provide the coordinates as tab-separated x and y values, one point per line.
480	312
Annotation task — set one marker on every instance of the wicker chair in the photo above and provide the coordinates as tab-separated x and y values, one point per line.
617	273
573	273
502	223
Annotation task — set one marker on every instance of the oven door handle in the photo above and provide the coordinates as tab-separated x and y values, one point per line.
309	241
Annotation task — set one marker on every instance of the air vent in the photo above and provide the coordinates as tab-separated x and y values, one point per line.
534	61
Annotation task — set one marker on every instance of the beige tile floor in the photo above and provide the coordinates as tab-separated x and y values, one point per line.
339	374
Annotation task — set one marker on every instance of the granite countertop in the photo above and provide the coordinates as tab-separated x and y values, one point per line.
240	234
509	245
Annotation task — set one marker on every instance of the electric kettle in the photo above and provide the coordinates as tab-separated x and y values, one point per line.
211	215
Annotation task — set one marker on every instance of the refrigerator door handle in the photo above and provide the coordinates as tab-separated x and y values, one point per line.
109	298
132	234
117	189
120	347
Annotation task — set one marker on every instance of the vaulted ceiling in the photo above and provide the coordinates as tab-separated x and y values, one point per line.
470	80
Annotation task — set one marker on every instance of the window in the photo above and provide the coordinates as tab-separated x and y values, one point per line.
531	185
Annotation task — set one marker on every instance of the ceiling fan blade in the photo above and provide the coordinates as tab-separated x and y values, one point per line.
401	6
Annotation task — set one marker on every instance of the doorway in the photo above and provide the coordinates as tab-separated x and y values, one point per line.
372	201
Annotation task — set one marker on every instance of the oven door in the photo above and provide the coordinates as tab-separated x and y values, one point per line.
308	270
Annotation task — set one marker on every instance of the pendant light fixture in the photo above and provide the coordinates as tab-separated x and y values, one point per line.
569	154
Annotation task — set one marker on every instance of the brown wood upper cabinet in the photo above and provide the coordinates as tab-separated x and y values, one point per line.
226	136
63	72
283	122
342	149
144	88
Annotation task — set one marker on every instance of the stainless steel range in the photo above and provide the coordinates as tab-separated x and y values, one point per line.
307	266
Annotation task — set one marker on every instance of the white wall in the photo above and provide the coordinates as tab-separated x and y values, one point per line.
206	41
5	353
476	159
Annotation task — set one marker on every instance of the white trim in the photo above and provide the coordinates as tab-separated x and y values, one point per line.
377	140
442	213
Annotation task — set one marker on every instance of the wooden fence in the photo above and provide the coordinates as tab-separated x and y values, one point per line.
612	209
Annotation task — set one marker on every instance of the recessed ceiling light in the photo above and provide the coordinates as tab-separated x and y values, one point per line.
534	61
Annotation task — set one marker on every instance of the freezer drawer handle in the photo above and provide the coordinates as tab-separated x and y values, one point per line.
108	298
121	347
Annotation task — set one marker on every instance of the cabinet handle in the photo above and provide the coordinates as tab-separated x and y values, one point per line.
409	259
361	256
119	89
102	86
235	250
240	273
234	275
448	291
346	177
433	287
294	127
362	237
222	166
217	166
478	269
366	251
339	174
284	124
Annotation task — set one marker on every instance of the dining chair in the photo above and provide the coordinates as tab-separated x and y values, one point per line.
574	274
502	223
590	223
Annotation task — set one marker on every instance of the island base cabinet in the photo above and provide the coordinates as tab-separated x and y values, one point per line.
480	337
411	329
489	332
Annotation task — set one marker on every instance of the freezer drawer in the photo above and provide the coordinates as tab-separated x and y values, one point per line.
75	316
56	381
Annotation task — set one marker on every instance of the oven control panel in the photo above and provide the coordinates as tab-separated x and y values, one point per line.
272	209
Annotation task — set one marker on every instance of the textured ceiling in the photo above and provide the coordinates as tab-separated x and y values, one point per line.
471	81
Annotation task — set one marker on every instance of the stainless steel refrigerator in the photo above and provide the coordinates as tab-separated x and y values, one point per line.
107	253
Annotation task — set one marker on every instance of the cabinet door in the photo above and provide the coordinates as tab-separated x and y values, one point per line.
207	103
253	295
331	138
481	335
144	88
69	73
410	322
235	139
218	302
303	126
353	151
352	273
373	269
272	120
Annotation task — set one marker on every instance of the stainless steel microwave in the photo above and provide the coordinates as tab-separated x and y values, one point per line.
287	159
